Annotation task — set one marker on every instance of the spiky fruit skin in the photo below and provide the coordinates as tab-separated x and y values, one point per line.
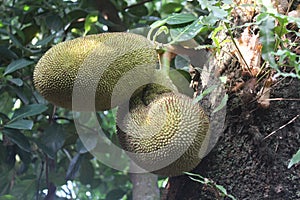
95	63
166	136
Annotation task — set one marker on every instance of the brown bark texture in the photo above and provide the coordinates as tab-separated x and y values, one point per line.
249	162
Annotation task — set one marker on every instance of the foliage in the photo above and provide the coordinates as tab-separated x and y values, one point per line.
274	46
39	146
219	189
295	159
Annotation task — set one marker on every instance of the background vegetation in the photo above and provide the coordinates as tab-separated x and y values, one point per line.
40	152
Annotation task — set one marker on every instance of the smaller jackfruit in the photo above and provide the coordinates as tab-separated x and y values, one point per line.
163	133
95	67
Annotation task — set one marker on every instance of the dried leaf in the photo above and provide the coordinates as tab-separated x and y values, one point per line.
264	94
249	54
295	13
244	9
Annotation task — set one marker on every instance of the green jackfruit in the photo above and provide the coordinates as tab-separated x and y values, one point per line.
95	66
163	133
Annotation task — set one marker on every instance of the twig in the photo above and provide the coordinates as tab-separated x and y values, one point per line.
236	46
283	99
289	7
281	127
137	4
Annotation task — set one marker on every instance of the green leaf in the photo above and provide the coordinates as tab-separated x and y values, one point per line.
17	64
15	41
197	180
7	197
115	194
267	36
76	14
45	41
170	8
74	167
18	138
86	172
158	23
54	22
16	81
222	189
7	53
30	32
180	18
25	189
295	159
291	58
182	62
57	177
21	124
138	10
192	174
53	139
188	32
6	103
207	4
268	6
219	13
89	20
29	110
222	104
223	79
205	93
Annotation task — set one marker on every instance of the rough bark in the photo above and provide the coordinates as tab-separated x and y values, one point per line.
245	161
144	186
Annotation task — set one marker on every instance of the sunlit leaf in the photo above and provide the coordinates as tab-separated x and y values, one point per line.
26	8
219	13
158	23
89	20
295	159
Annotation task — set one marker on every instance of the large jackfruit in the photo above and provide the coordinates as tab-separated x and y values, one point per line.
90	68
164	133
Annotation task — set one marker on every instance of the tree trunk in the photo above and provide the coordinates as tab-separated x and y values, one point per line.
144	186
247	160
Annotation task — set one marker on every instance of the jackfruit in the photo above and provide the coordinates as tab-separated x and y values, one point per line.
90	68
165	133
